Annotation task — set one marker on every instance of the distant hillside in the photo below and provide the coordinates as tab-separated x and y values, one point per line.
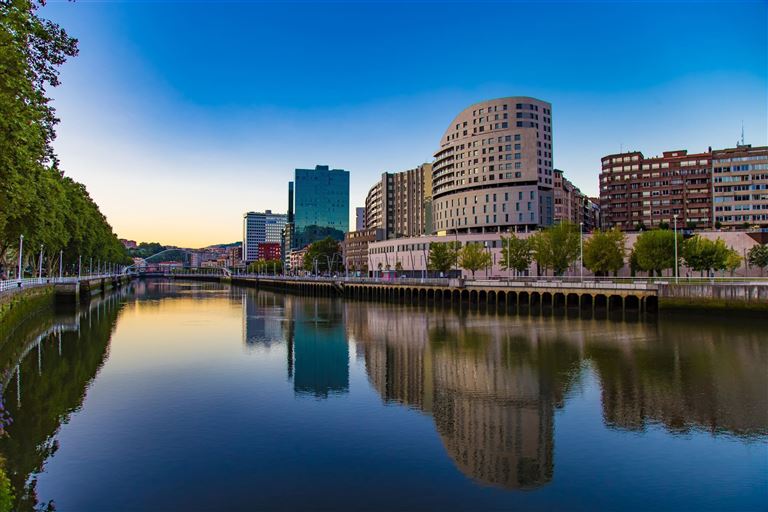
224	246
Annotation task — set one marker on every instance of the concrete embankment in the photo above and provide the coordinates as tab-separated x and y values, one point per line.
728	296
18	306
717	296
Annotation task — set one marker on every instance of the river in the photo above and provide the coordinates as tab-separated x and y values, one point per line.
197	396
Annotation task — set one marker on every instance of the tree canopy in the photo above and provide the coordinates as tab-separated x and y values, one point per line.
556	247
515	253
443	256
758	256
705	255
604	252
654	251
36	199
473	257
326	251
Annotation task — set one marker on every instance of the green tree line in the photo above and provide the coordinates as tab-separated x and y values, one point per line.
556	248
36	199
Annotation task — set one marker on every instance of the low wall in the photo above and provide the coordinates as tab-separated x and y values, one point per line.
732	296
18	306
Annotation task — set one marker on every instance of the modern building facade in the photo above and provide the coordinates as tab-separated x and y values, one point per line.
360	218
740	186
259	228
321	202
399	203
493	171
355	248
568	199
641	193
572	205
269	251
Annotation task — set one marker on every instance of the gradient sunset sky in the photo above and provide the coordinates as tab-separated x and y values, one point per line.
180	116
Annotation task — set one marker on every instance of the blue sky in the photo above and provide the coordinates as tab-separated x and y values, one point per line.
180	116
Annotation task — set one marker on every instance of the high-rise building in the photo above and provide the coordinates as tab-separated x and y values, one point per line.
321	202
567	199
740	186
259	228
641	193
360	218
493	171
574	206
398	203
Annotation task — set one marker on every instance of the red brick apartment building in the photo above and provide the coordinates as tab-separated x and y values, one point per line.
636	191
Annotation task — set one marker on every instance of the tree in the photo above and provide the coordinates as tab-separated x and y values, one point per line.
266	267
654	251
556	247
324	251
515	253
705	255
473	257
733	261
36	199
398	266
758	256
604	252
443	256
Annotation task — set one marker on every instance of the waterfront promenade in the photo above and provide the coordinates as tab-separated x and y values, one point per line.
611	294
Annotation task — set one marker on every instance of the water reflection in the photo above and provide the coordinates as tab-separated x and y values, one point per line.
492	384
492	389
47	368
263	319
319	352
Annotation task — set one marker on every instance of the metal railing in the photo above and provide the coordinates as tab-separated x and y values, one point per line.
28	282
632	283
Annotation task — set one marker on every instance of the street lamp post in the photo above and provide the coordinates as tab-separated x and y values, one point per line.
61	255
674	217
581	250
21	251
79	265
40	264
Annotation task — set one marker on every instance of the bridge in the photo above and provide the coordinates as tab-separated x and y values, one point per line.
137	268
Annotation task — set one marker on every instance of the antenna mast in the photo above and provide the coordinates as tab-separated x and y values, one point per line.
742	132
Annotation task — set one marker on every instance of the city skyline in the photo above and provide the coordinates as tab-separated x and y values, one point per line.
179	117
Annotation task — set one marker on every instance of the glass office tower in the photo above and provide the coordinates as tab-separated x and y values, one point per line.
321	203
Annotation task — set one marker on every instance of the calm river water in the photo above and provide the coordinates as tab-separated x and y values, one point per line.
192	396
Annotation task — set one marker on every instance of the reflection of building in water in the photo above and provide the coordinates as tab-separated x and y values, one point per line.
318	348
686	380
262	319
492	398
395	361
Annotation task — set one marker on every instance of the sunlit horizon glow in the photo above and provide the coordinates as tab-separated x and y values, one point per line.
176	135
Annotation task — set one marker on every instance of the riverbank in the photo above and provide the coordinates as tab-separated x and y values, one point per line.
18	306
749	298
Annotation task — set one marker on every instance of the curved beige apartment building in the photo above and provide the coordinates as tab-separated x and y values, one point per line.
493	171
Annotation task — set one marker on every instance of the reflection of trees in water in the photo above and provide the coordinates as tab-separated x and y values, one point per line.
492	383
150	291
52	386
709	376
